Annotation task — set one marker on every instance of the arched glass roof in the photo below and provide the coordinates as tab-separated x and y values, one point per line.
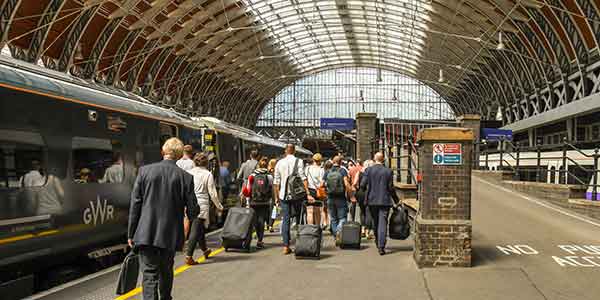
342	93
229	58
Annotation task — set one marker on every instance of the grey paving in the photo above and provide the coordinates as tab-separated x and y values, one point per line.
500	218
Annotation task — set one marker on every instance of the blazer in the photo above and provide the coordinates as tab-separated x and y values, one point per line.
160	194
379	182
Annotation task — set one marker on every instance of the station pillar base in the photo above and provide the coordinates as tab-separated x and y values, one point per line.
442	243
443	227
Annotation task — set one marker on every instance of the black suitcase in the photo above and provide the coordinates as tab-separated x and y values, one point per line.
308	241
237	230
399	227
128	275
349	236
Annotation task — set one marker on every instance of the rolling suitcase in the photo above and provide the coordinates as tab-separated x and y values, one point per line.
308	242
399	227
349	236
237	230
128	275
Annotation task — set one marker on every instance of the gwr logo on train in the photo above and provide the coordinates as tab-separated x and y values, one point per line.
99	212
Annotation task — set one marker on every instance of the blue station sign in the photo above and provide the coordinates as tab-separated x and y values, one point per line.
495	134
337	123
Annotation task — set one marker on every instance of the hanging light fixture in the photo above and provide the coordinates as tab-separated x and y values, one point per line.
441	79
500	45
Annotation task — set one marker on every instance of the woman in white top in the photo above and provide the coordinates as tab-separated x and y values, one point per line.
314	175
206	190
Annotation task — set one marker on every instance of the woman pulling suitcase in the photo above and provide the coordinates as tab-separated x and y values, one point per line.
206	190
260	192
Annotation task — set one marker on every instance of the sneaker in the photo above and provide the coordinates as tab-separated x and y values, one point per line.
260	245
207	252
190	261
286	250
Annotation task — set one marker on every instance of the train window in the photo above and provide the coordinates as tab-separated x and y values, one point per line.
596	132
97	160
22	159
167	131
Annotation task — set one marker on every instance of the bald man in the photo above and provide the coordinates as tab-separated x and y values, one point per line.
380	197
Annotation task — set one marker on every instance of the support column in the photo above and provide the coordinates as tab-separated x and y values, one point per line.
365	135
443	225
473	122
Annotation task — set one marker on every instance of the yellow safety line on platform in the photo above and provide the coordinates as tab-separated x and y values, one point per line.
27	236
177	271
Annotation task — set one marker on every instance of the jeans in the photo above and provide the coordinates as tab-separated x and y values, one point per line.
262	214
379	216
156	265
197	236
289	210
338	212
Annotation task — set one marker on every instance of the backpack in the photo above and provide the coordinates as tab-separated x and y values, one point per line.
262	191
295	190
335	182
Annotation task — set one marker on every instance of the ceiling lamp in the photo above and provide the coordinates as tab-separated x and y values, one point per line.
441	79
500	45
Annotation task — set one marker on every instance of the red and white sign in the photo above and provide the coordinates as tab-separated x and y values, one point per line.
452	148
438	148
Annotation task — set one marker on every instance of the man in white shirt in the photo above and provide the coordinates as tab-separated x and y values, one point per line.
185	162
114	173
284	168
33	177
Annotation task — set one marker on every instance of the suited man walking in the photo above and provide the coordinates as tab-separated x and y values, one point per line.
381	196
161	193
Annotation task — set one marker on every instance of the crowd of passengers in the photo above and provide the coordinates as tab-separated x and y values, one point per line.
171	200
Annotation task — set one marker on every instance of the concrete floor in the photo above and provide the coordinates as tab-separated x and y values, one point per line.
500	218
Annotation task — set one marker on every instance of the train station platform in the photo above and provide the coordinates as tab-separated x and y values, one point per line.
523	248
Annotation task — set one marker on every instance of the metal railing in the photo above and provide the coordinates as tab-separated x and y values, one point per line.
411	163
564	173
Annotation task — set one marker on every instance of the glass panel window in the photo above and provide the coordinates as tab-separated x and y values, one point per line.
96	161
27	188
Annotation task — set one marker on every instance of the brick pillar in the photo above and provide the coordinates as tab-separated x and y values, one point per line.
365	135
473	122
443	224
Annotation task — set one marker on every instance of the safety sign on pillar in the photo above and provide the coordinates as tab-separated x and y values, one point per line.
443	224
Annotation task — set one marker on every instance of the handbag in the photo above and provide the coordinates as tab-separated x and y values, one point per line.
128	275
321	193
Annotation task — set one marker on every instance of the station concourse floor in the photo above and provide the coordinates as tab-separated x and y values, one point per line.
502	219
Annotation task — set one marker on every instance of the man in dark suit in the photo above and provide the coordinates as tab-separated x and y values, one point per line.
161	194
381	196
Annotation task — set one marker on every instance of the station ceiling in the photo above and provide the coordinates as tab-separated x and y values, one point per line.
228	58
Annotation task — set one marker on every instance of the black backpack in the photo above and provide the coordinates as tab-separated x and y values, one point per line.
295	190
262	191
335	182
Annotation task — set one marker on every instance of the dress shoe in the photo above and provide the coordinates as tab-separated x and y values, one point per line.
381	251
190	261
207	252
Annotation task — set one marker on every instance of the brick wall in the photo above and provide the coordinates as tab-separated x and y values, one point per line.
443	243
442	184
443	226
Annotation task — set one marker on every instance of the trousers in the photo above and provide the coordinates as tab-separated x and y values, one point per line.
197	236
156	265
379	216
262	214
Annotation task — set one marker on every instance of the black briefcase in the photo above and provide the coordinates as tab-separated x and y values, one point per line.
128	275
